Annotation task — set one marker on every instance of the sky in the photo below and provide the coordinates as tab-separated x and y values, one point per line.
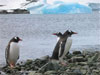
11	4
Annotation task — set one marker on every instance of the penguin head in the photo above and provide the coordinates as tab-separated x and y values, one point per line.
71	33
16	39
59	34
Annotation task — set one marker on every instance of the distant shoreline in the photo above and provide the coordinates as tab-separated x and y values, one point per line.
24	11
15	11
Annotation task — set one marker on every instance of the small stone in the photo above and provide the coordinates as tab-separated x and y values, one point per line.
72	73
38	74
18	68
49	66
69	56
85	52
26	73
84	71
77	59
8	71
77	52
97	71
28	62
50	72
94	58
32	73
85	67
82	63
45	57
77	71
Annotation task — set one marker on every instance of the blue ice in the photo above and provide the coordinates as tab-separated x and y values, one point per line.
59	7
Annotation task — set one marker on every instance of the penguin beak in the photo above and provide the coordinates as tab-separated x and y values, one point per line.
20	39
75	33
54	34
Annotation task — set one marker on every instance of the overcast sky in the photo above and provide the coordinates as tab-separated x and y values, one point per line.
16	3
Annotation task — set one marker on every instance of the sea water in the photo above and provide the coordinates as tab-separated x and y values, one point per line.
36	32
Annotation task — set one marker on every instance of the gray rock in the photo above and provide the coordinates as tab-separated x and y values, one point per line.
28	62
82	63
77	59
38	74
94	58
51	72
84	71
45	57
72	73
96	71
32	73
49	66
77	52
85	52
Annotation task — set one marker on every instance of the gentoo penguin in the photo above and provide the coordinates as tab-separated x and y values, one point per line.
63	45
12	52
56	49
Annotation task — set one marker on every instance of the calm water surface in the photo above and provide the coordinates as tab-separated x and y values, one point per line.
36	32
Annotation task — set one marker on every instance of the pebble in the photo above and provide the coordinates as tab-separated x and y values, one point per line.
77	52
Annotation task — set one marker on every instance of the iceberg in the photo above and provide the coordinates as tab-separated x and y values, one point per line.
58	7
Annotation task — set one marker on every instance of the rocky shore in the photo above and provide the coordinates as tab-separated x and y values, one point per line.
78	63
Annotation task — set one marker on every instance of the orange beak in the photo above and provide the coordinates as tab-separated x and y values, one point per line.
54	34
20	40
75	33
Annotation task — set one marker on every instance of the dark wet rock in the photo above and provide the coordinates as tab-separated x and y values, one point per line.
46	58
33	65
52	65
69	56
77	59
77	71
72	73
94	58
83	71
51	73
28	62
82	63
32	72
77	52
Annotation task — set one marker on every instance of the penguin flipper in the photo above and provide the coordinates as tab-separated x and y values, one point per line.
7	54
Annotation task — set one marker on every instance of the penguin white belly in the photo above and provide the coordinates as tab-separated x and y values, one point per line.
58	39
67	46
14	52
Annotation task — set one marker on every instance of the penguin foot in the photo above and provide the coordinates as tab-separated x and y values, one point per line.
12	65
64	64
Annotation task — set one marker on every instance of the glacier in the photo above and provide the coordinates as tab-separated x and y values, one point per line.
58	7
